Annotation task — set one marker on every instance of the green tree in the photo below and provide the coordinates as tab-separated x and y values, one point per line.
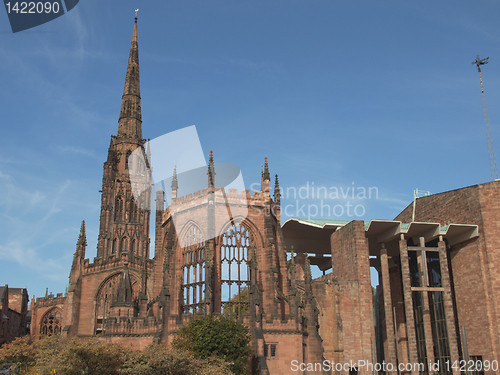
219	336
238	304
19	352
157	359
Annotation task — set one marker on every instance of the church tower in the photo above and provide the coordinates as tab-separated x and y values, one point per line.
124	223
110	296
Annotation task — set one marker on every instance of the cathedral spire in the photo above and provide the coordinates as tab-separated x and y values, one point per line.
130	121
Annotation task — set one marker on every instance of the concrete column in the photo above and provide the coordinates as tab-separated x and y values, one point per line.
448	304
390	349
408	302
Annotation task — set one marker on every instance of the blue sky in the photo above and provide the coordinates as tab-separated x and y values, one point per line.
361	94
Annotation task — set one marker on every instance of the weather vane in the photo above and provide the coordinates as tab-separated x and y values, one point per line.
136	12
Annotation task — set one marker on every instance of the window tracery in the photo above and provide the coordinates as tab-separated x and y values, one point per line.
51	323
235	270
193	284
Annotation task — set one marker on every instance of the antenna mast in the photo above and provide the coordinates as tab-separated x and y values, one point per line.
491	150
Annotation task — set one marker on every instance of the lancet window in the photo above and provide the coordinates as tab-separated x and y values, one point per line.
51	323
124	245
235	270
119	208
126	159
193	284
133	216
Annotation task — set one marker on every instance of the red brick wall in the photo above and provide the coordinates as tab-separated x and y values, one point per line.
474	264
325	292
351	268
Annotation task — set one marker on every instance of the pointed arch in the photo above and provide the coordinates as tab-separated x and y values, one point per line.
51	322
235	248
114	246
124	245
193	269
132	208
258	240
133	247
127	156
119	208
105	294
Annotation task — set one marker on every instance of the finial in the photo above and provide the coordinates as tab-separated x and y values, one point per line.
277	192
266	170
211	171
307	267
175	182
136	13
82	238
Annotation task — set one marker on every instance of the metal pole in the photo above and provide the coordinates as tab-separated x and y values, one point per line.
465	349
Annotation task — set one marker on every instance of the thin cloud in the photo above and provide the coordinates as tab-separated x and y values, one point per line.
29	257
78	151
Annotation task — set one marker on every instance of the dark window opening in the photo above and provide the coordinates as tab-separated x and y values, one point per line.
476	365
414	272
270	350
433	268
419	328
439	330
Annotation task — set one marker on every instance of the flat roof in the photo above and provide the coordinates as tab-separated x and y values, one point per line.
313	235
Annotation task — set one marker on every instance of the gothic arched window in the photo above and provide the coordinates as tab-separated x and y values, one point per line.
132	211
133	247
193	283
124	248
235	270
114	246
105	297
51	323
126	159
119	208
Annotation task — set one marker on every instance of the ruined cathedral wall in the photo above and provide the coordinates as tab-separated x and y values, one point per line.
91	283
39	309
325	290
351	269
